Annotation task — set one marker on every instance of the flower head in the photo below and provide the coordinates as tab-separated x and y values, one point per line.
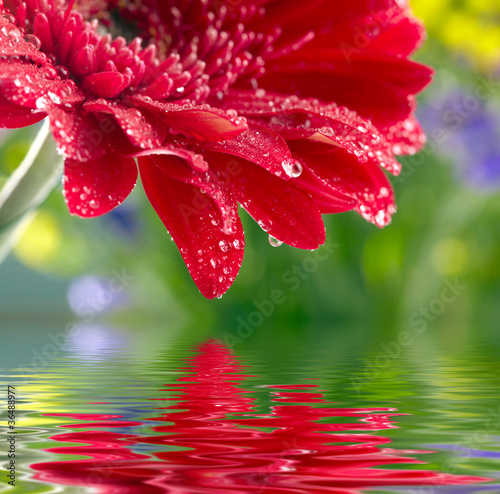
286	107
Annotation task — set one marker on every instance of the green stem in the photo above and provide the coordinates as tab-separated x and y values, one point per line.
28	187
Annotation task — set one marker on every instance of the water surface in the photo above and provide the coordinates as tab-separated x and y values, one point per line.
108	414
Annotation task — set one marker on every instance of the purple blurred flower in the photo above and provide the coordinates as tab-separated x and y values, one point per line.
465	126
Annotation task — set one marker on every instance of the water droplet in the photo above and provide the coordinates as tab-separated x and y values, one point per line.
362	129
238	244
94	204
54	97
31	38
292	168
14	33
265	226
63	72
41	103
296	170
274	241
384	192
224	247
380	218
9	18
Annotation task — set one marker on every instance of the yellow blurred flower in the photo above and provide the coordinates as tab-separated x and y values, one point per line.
40	241
471	27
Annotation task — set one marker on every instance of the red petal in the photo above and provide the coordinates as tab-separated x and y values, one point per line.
95	187
327	199
14	116
12	44
377	88
400	39
406	137
297	119
79	137
363	181
184	167
212	257
363	24
280	208
260	145
201	122
140	132
106	84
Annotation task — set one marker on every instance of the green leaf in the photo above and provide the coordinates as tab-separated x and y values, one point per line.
28	187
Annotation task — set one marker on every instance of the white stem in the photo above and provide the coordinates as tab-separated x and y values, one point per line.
28	187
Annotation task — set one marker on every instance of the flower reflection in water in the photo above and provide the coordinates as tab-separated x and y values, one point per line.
210	439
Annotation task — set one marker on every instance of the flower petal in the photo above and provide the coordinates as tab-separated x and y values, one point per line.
201	122
139	132
296	119
327	198
96	187
406	137
79	137
106	84
260	145
13	116
184	166
376	87
212	257
363	181
13	44
280	208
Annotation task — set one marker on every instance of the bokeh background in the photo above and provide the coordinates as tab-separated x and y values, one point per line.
366	285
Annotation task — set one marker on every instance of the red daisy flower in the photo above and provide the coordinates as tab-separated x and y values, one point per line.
286	107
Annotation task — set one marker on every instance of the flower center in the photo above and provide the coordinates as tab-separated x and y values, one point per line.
164	49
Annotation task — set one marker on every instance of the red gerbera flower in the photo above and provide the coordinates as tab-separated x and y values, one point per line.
289	108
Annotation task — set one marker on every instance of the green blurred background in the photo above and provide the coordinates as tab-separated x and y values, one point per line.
366	285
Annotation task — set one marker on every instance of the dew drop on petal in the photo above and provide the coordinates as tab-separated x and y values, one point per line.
382	218
274	241
224	247
35	41
265	226
296	170
292	168
384	192
41	103
54	97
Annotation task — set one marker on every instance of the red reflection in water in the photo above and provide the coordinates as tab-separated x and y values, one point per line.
206	452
